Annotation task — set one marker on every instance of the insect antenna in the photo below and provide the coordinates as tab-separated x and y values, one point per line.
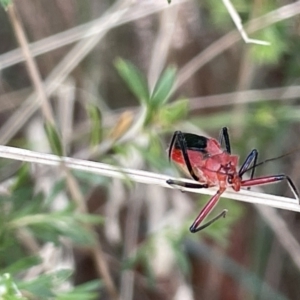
272	159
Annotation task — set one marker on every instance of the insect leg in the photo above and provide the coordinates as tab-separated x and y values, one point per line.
224	135
205	211
272	179
187	184
179	136
251	160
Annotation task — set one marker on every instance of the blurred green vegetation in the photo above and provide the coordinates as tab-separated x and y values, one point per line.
137	136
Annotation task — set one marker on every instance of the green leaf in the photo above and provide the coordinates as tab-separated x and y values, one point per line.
154	154
134	79
89	218
22	264
43	285
84	291
49	227
89	180
163	87
89	286
8	288
61	276
23	178
54	139
179	253
173	112
143	258
5	3
273	53
94	114
56	189
78	296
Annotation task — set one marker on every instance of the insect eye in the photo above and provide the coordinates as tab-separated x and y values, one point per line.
229	179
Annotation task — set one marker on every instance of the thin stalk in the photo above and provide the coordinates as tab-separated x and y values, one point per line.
238	24
161	45
228	40
139	9
30	63
17	120
247	71
72	184
96	250
141	177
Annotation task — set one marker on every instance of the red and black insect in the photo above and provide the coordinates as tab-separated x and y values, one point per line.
207	163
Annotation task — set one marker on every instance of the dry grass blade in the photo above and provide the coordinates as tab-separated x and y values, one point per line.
280	228
238	23
141	176
115	16
228	40
30	63
248	96
138	10
162	44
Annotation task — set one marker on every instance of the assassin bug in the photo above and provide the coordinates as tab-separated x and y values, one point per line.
210	165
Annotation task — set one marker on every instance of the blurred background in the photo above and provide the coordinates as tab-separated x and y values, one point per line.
115	79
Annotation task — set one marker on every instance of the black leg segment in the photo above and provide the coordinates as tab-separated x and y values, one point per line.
251	160
179	137
187	184
224	136
194	229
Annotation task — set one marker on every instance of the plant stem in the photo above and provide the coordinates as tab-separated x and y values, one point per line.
141	177
30	63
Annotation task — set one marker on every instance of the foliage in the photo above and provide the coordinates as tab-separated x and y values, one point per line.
39	204
27	210
54	139
5	3
9	290
155	101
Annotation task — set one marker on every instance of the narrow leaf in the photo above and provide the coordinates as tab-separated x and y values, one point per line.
22	264
89	218
5	3
95	120
55	190
87	291
9	289
23	177
162	89
53	139
173	112
134	79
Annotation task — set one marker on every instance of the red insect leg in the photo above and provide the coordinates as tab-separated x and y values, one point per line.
271	179
206	210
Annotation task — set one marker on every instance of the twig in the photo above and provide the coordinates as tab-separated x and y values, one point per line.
162	44
61	71
72	184
280	228
30	63
245	77
138	10
248	96
130	240
228	40
96	250
141	176
238	23
16	121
